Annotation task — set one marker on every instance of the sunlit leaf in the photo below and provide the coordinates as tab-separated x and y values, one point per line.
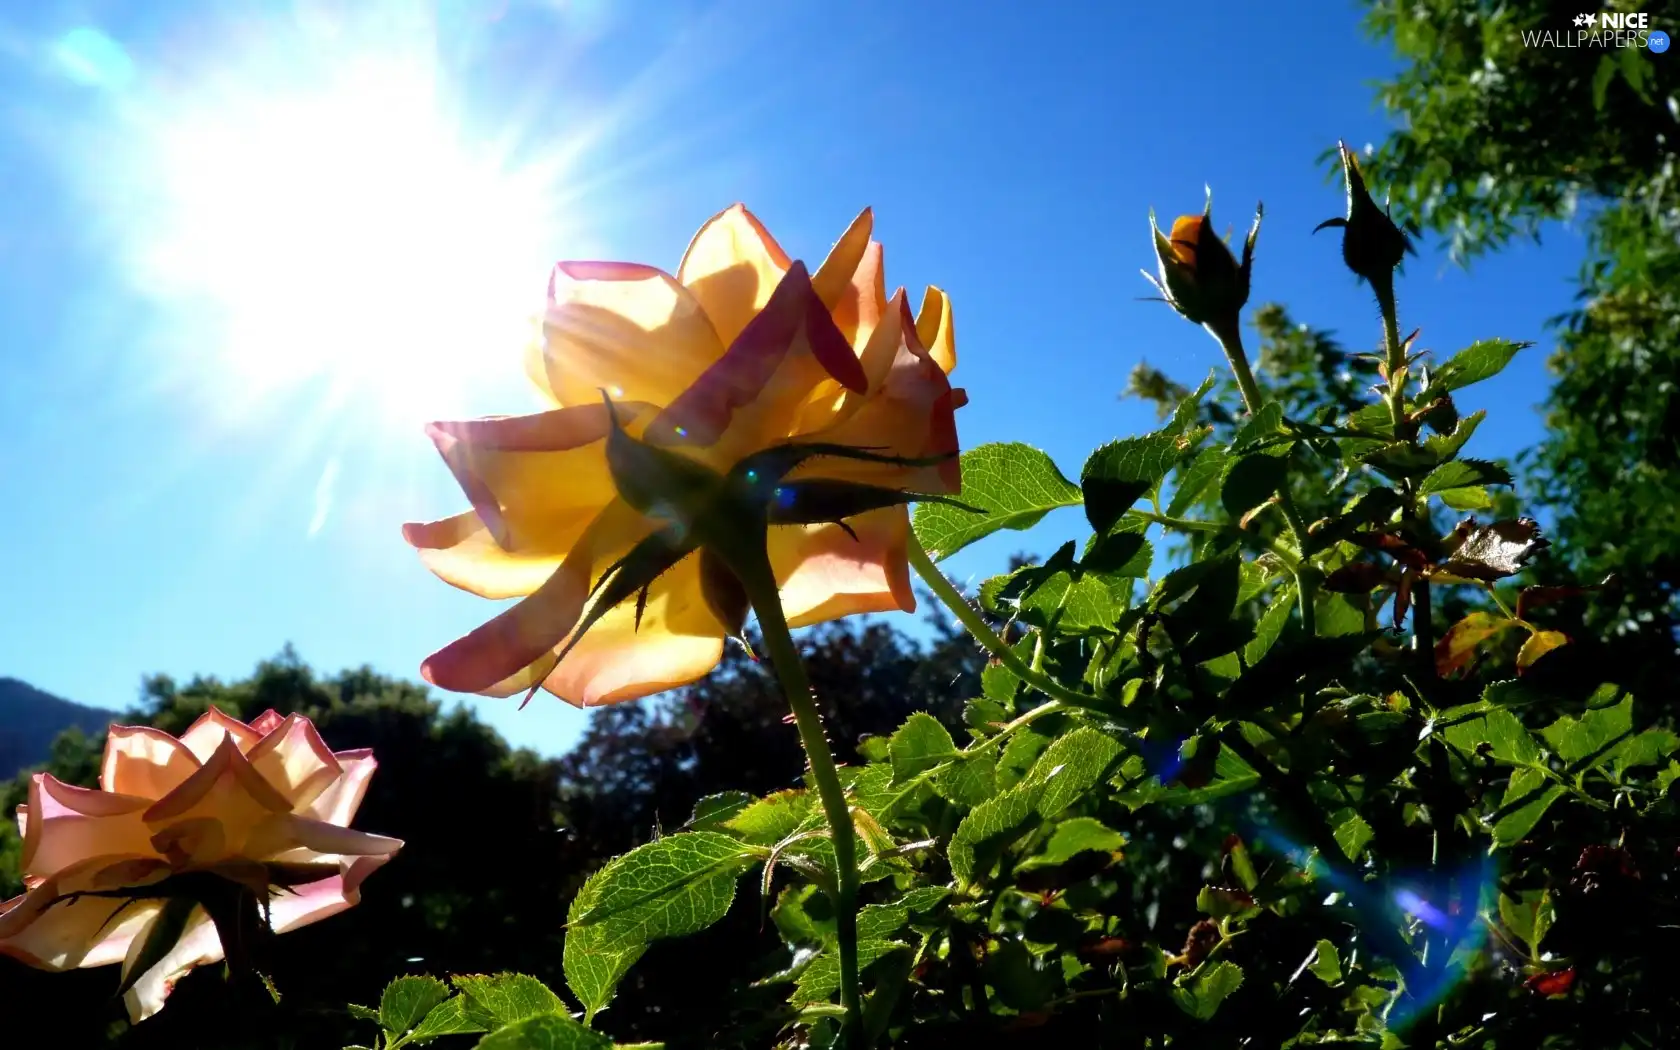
1014	485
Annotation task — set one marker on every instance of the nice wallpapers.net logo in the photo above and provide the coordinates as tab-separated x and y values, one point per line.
1602	29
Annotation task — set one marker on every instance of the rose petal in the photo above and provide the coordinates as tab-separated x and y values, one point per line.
69	825
535	481
146	762
629	328
752	397
825	574
461	552
935	330
679	641
732	266
860	307
209	816
267	722
313	901
339	802
295	761
199	946
911	415
833	279
68	934
205	735
498	654
285	832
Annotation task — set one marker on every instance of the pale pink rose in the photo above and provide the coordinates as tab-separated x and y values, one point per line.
227	799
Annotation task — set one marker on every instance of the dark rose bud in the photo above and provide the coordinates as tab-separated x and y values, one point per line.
1372	245
1603	868
1199	277
1095	951
1201	940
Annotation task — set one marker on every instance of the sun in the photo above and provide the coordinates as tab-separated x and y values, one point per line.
345	228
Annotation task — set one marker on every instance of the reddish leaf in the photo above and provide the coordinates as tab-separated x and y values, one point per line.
1557	982
1532	598
1360	577
1491	552
1457	649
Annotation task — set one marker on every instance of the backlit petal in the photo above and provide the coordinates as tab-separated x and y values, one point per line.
525	635
295	761
756	393
935	329
71	825
825	574
912	415
67	934
205	735
210	815
461	552
302	905
339	802
732	266
679	641
535	481
198	946
146	762
628	328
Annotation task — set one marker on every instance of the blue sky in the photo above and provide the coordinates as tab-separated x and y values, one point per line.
246	250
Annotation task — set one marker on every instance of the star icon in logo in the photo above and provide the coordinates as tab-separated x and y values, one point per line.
1590	20
1580	20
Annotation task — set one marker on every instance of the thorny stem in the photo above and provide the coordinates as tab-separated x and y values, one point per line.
1423	642
1229	337
983	633
790	670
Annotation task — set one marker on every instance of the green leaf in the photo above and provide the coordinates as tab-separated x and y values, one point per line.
1464	473
772	818
1195	477
1121	472
1266	424
1200	998
1326	964
1526	800
1252	481
919	744
1271	624
546	1032
1603	74
1058	596
1015	485
1479	361
407	1000
713	811
793	918
677	885
363	1013
449	1017
1447	446
664	884
989	829
1072	837
1125	554
1528	917
1069	767
878	922
821	979
1590	738
1352	833
969	781
1502	733
1472	498
493	1002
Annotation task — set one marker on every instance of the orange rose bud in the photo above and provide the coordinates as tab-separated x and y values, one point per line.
1199	277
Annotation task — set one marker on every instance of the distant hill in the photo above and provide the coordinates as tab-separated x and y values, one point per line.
30	719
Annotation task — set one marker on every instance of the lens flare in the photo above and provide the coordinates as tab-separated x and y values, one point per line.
1439	911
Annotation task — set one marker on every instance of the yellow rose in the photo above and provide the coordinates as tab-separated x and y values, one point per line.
742	353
